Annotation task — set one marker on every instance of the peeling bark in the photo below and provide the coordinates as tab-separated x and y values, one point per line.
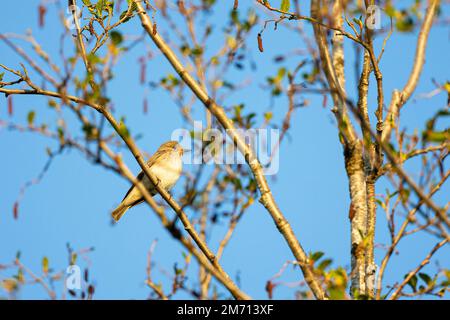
354	164
370	265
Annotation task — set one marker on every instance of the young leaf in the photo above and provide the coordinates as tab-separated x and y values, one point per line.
268	116
100	6
324	264
123	14
20	277
45	265
73	258
123	130
316	255
426	278
285	5
116	37
30	117
413	283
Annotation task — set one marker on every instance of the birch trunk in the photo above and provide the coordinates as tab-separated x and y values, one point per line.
354	164
370	266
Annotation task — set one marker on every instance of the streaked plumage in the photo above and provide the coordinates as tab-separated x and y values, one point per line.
166	165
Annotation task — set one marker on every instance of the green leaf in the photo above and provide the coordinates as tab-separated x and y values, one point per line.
123	14
73	258
384	296
237	183
10	285
93	58
276	91
413	283
45	265
316	255
280	74
446	86
381	203
390	10
235	17
123	130
110	8
133	8
285	5
231	42
358	22
238	109
116	37
100	6
442	292
336	293
52	103
60	133
324	264
405	22
198	50
268	116
1	76
30	117
90	131
87	2
20	277
426	278
436	136
404	195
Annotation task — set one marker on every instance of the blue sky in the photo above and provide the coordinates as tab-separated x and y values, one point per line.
73	201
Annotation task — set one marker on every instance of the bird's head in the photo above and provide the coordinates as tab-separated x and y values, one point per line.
172	146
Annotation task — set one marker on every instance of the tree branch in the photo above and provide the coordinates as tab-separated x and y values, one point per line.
411	274
217	268
266	199
400	98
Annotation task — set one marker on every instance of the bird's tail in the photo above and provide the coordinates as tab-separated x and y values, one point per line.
119	211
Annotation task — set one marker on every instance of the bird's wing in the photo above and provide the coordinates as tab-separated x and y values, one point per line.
141	174
138	178
157	155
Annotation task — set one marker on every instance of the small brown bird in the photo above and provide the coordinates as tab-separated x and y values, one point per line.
166	165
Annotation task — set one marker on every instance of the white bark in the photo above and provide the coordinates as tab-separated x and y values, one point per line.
357	184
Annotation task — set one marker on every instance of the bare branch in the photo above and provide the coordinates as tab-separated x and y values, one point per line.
266	195
397	293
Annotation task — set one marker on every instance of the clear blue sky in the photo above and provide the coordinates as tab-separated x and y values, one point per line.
73	202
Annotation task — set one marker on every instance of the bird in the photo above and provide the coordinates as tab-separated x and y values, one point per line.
166	165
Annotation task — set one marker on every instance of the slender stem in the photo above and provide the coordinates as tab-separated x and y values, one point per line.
400	98
218	112
401	233
80	42
217	268
419	58
411	274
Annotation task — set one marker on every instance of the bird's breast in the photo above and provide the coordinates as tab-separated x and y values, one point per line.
168	171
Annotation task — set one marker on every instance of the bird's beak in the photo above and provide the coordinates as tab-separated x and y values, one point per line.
184	151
